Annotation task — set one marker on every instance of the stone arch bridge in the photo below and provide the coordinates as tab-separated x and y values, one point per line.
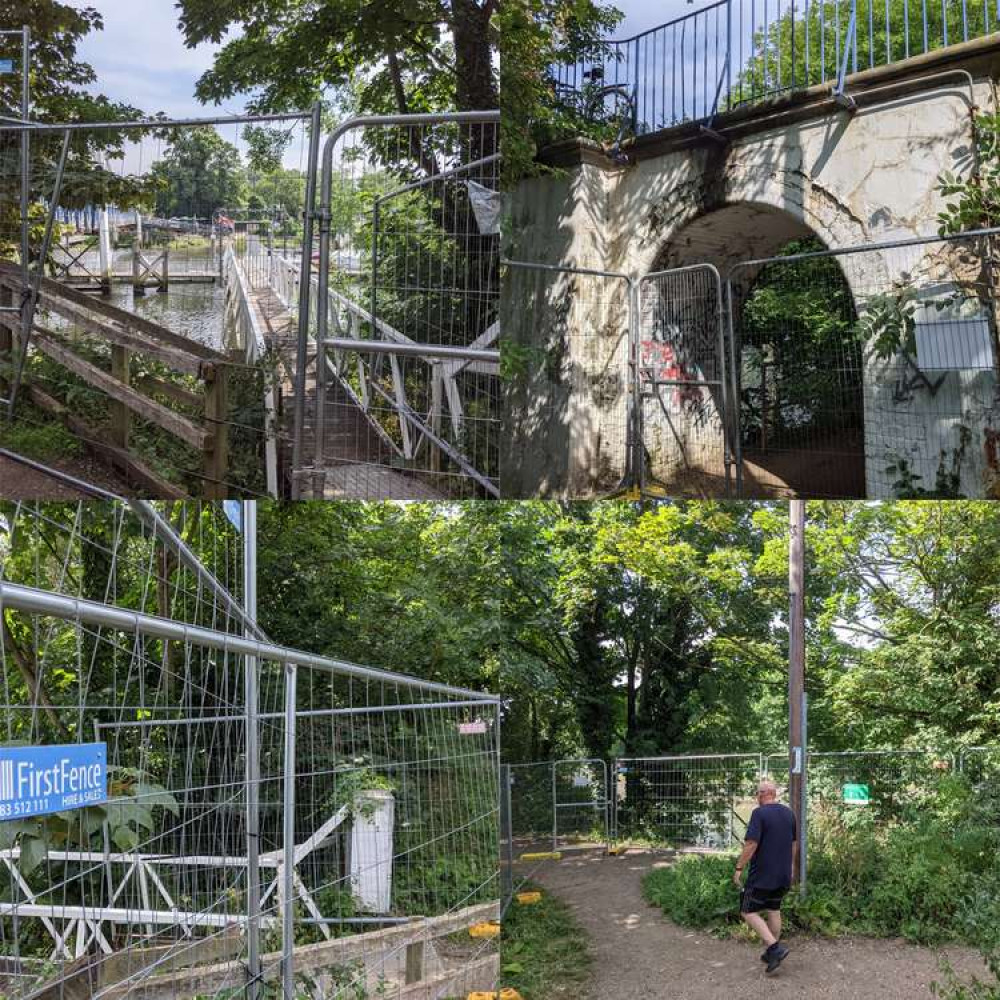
698	396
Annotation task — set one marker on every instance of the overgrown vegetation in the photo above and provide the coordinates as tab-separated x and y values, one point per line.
931	876
543	951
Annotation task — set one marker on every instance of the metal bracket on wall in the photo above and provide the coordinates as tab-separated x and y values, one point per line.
840	94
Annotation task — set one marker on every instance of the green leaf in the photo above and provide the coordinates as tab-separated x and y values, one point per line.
34	851
125	838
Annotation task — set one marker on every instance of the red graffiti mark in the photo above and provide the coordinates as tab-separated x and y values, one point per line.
658	362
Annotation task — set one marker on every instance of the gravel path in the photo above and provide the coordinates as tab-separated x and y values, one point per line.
641	955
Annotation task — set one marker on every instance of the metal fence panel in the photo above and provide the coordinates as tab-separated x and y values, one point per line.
403	401
888	785
562	802
123	298
893	394
570	382
531	801
683	383
688	801
981	765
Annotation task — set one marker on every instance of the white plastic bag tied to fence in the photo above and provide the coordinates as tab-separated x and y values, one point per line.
487	204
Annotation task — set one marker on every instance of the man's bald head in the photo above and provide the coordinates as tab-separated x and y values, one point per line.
767	791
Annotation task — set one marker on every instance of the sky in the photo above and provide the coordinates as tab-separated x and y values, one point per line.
140	57
643	14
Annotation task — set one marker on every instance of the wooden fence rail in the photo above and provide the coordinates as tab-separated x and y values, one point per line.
129	337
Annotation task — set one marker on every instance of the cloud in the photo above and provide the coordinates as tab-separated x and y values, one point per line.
140	57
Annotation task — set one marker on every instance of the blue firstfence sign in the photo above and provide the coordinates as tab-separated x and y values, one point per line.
6	65
38	780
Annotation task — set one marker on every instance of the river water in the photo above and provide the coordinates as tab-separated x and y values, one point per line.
191	310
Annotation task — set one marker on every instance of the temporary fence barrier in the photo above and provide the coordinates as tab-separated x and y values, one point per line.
893	394
686	426
130	254
562	802
271	816
896	392
688	800
405	399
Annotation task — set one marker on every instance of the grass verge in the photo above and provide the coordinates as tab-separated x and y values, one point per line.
543	951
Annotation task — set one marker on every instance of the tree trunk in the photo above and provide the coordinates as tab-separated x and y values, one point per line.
475	87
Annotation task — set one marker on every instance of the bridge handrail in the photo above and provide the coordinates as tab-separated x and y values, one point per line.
244	333
737	53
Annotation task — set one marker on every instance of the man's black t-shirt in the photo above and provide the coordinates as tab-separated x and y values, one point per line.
773	827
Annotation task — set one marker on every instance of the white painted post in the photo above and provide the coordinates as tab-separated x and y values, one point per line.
138	228
371	850
104	249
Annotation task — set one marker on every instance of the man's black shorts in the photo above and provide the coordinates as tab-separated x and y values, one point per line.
754	900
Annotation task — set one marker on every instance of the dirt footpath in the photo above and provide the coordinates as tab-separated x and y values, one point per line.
22	482
641	955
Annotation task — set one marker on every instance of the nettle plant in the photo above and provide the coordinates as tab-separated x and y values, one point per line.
130	814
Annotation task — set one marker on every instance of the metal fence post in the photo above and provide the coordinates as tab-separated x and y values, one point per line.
729	52
305	289
555	810
253	753
288	838
804	803
31	290
507	839
25	153
636	476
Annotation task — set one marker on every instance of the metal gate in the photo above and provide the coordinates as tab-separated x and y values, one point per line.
868	371
616	384
404	399
682	391
563	802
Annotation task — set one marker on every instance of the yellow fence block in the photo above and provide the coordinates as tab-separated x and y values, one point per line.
487	929
542	856
507	993
617	849
527	898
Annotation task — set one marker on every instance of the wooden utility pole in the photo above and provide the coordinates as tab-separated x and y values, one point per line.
796	663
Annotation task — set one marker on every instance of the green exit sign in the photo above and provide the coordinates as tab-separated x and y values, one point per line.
857	795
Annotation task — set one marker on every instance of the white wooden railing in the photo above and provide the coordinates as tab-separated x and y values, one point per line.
244	334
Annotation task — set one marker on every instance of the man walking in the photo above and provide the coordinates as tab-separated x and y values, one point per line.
770	849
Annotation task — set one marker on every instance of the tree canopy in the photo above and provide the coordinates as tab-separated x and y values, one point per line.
59	80
611	628
199	173
379	57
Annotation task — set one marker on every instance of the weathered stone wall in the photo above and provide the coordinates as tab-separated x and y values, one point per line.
848	179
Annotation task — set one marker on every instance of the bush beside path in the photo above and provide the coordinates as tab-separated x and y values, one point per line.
639	954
